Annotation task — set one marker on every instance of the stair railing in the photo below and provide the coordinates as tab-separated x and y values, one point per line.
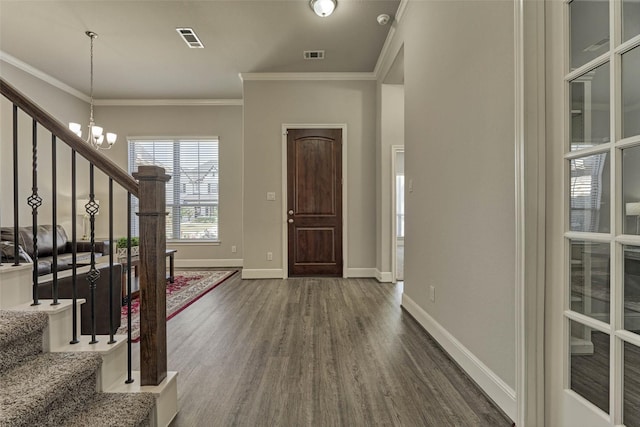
148	186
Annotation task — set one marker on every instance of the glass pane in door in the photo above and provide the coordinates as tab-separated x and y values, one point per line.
631	190
590	292
589	30
589	364
589	196
631	403
631	92
630	19
632	288
590	109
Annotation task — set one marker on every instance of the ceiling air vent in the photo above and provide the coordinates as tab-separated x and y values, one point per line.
314	54
190	38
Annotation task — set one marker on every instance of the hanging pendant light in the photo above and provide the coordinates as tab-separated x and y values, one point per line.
95	135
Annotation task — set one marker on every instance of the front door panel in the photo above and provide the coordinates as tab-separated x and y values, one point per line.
314	212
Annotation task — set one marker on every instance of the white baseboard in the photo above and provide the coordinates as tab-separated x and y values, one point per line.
497	390
208	263
361	272
266	273
384	276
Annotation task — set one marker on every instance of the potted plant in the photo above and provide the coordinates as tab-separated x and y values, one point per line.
121	247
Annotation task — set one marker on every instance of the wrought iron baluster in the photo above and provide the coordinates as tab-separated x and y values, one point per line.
35	201
111	319
54	216
16	252
74	252
93	275
129	354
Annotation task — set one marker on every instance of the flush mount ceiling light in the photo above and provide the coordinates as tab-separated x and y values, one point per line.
323	8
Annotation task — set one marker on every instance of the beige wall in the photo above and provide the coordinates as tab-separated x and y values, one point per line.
460	216
224	122
270	104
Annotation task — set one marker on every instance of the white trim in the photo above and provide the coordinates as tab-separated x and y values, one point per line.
579	412
208	263
384	52
361	273
285	240
384	276
307	76
530	203
169	102
193	242
132	138
23	66
402	7
520	239
497	390
262	273
395	149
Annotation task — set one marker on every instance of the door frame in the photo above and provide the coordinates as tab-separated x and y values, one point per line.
395	149
283	223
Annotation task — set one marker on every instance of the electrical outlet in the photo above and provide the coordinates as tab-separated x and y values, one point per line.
432	293
234	249
269	256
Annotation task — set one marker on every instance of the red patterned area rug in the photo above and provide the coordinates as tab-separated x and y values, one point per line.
187	288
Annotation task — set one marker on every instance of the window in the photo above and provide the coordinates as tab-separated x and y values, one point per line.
400	206
192	191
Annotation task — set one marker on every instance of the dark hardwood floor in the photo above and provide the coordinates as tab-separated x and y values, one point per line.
315	352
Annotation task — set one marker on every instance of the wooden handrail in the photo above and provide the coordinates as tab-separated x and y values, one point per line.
76	143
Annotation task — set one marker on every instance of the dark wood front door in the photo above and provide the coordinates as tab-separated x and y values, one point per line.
314	198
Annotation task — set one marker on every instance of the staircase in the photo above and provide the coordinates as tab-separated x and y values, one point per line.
45	381
53	389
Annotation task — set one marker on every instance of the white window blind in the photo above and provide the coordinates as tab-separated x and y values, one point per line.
192	192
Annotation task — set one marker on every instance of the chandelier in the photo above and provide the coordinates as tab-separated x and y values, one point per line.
95	137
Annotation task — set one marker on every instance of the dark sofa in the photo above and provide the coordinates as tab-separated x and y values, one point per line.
65	291
45	247
65	272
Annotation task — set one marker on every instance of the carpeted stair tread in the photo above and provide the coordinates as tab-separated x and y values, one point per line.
33	392
114	410
20	337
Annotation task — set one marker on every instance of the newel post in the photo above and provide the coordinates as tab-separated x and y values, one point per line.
153	318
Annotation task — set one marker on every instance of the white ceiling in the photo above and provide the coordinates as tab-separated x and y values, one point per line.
139	55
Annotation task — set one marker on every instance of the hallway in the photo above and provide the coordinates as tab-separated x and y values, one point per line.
315	352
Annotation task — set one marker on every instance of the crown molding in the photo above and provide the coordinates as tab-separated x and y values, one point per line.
384	52
306	76
21	65
402	7
168	102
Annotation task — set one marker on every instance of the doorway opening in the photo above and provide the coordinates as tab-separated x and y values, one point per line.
397	187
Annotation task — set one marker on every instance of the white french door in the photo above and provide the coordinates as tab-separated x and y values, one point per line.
601	312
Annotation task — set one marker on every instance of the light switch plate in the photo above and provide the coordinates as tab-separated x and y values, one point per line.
271	195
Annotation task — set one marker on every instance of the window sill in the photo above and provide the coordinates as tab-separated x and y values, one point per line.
194	242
